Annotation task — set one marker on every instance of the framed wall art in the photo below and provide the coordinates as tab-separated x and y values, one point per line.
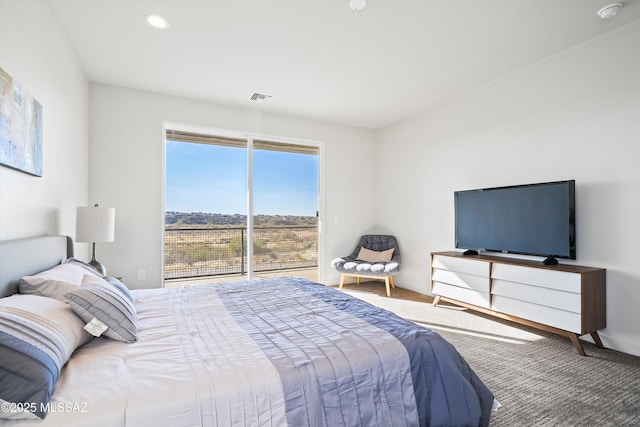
20	127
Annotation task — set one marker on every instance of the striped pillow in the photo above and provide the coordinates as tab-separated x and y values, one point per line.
374	256
105	308
37	337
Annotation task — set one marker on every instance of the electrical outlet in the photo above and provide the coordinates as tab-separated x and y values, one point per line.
142	274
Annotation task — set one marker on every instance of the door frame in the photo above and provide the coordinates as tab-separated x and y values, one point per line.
250	137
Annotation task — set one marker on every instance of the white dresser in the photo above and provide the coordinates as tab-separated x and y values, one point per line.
565	299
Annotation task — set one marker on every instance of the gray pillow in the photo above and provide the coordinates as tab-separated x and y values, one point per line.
121	286
106	309
56	281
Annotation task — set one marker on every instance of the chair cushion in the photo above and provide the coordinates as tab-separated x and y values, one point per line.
377	268
350	265
382	269
391	267
363	267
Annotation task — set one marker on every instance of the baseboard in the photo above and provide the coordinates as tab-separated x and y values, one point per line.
347	281
617	344
411	286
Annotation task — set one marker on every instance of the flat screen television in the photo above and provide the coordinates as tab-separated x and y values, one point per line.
534	219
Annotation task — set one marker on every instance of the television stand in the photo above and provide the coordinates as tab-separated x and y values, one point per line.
550	260
564	299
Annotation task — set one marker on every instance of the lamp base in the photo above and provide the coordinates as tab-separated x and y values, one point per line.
97	264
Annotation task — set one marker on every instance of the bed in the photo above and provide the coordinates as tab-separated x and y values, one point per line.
270	352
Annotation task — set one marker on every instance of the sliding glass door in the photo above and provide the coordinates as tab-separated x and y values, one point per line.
285	207
239	207
205	201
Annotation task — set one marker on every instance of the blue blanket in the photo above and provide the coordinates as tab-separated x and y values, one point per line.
344	362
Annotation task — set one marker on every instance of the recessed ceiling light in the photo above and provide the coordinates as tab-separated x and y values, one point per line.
358	4
157	21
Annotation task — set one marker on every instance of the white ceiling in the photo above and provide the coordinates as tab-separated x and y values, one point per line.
320	59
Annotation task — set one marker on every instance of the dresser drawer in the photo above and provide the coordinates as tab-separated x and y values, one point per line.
462	280
481	299
560	280
560	319
461	265
567	301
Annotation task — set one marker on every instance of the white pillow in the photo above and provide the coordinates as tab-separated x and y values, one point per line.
56	281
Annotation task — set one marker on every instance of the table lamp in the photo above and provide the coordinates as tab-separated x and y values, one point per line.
95	224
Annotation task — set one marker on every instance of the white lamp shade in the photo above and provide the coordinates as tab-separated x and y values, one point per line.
95	224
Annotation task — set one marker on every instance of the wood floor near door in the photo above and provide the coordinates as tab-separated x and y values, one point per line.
377	287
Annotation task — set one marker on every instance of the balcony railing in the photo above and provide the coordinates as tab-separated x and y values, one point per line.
198	252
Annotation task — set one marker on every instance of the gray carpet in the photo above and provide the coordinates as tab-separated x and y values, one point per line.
538	377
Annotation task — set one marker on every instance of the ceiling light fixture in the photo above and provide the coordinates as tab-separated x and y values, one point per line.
357	4
157	21
610	10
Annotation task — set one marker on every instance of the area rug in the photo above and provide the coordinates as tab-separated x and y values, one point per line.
538	377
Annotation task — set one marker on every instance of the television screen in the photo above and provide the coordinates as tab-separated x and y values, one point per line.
534	219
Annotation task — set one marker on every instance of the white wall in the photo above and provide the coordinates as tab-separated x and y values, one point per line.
575	115
44	64
127	171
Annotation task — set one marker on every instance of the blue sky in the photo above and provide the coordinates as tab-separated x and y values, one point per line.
211	178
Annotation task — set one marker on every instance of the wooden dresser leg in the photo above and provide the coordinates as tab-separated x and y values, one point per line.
577	344
436	300
596	339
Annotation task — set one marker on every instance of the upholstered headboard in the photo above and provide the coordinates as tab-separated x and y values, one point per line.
23	257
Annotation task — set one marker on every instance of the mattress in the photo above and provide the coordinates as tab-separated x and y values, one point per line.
270	352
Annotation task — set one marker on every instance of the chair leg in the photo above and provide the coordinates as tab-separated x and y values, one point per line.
393	285
341	281
386	282
357	280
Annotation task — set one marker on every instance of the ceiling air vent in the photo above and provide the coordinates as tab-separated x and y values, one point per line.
261	98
